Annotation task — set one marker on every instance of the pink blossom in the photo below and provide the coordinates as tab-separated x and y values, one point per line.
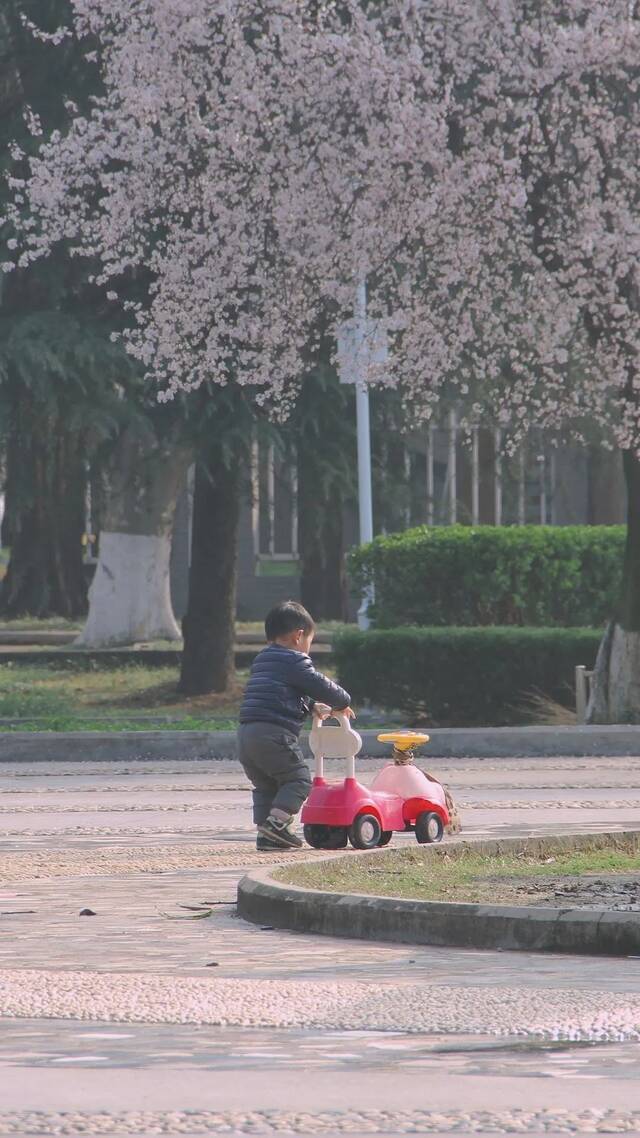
477	163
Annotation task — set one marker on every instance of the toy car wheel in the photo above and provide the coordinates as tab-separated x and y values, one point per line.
385	838
429	827
325	837
365	832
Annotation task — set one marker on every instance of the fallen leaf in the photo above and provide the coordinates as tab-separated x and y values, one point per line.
197	916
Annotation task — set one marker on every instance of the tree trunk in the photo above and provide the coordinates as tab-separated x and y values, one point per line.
605	487
129	599
11	88
208	659
336	603
323	583
615	687
44	524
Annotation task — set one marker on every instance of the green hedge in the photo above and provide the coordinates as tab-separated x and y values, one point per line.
567	576
463	676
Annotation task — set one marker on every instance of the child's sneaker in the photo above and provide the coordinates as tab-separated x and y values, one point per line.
279	832
267	845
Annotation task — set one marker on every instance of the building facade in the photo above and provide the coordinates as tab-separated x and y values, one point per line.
435	477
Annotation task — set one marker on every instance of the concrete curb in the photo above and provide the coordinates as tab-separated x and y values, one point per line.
445	743
115	746
531	929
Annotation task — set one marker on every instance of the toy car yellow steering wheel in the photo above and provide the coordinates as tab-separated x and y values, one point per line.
404	740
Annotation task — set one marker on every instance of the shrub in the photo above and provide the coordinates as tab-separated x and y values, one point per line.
566	576
462	676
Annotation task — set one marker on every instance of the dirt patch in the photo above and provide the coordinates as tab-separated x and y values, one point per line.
618	892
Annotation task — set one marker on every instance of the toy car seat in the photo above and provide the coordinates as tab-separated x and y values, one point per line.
340	742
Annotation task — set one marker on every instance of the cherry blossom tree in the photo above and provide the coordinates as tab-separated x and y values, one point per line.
476	164
247	164
57	367
252	161
558	83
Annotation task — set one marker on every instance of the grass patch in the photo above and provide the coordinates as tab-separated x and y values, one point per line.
61	624
132	697
459	875
40	624
77	692
539	709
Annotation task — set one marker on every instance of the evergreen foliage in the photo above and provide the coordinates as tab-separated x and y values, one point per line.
462	676
61	377
323	434
493	575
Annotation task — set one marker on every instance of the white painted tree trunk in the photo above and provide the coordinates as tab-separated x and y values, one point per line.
615	687
129	598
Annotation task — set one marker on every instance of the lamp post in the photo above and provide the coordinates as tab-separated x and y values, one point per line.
363	426
357	347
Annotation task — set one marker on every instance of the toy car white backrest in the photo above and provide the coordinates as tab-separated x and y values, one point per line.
329	742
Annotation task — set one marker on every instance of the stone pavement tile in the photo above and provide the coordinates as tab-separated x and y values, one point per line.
354	1123
222	775
146	830
516	1127
68	1043
345	1005
131	932
97	1090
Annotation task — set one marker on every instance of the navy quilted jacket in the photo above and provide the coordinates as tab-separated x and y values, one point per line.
283	686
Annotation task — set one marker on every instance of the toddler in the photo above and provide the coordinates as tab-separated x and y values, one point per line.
283	688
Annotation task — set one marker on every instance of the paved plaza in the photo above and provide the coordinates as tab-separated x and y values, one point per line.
140	1018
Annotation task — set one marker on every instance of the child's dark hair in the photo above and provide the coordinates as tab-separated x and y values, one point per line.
285	618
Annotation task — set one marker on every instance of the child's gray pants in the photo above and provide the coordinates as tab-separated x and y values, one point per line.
275	765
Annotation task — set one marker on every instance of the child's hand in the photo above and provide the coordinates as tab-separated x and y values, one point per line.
323	711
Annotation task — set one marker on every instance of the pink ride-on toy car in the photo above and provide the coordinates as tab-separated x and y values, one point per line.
401	797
